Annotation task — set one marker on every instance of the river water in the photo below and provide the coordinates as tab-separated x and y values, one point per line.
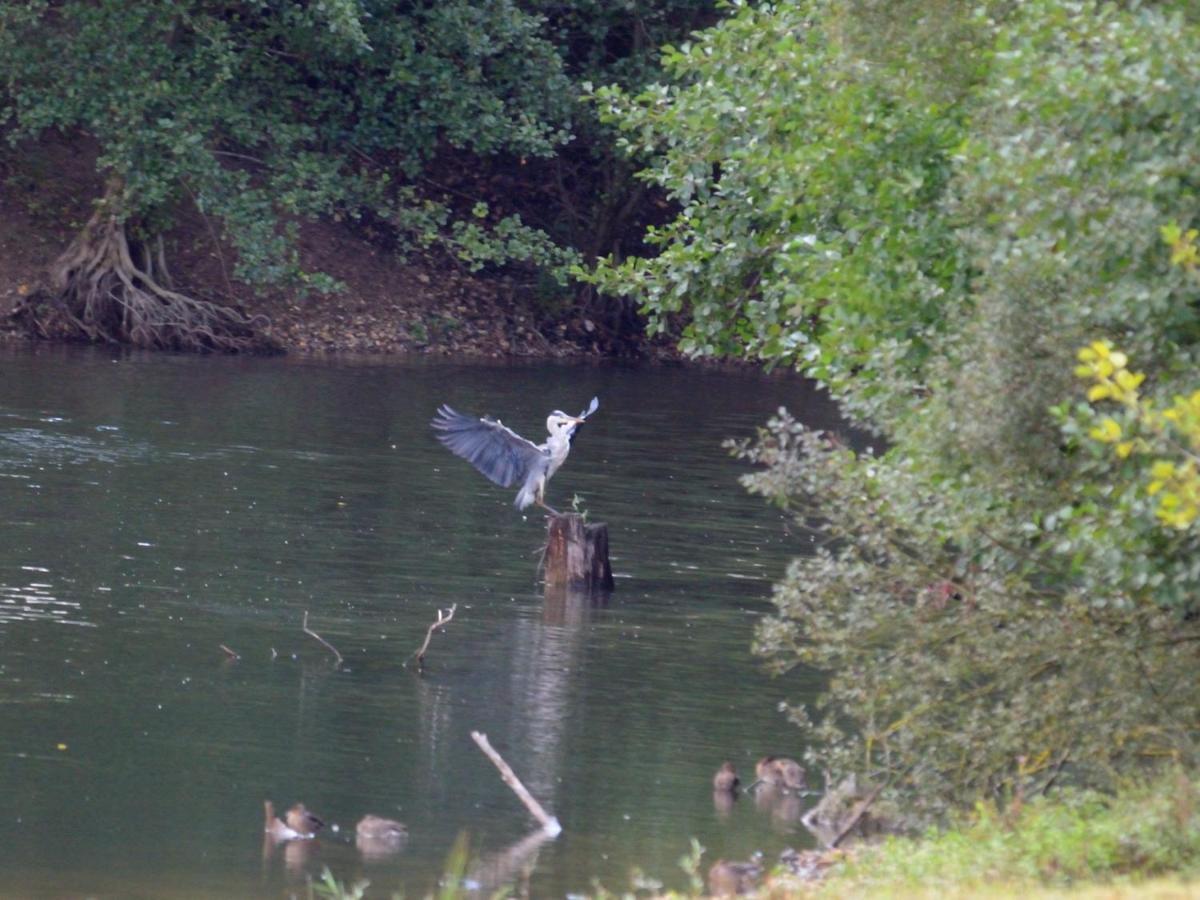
157	507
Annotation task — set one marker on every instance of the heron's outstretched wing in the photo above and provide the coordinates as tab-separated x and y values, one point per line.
495	450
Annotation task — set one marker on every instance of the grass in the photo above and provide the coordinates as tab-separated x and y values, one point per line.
1144	842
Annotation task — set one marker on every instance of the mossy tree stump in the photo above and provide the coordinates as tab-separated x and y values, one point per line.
577	555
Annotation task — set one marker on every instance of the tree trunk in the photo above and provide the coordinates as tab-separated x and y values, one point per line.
577	555
98	293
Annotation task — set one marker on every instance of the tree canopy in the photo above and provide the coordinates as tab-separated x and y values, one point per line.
267	113
973	223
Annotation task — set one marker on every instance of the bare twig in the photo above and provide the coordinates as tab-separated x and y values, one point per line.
1058	767
328	645
214	237
549	823
443	618
232	654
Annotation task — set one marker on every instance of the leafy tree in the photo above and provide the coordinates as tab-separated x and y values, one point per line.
807	178
999	601
264	114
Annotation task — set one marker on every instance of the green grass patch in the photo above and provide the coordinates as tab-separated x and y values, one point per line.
1149	830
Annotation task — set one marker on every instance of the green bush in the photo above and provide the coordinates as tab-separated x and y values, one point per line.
808	178
994	600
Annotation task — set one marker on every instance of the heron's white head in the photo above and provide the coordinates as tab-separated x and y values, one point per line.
559	423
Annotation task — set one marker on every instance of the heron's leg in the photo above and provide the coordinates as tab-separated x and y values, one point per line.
539	498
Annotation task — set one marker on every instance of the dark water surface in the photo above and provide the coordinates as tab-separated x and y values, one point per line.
157	507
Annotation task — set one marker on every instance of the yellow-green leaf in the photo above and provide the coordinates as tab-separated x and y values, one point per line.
1162	469
1129	381
1107	431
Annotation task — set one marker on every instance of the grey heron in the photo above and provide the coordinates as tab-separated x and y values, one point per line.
505	457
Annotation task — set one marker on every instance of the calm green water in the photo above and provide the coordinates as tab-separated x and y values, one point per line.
156	507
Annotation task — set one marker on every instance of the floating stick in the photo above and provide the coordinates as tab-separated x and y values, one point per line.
549	824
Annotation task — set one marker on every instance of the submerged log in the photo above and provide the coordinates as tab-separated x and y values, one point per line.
577	555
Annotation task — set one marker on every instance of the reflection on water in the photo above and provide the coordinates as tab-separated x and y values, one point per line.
175	505
34	600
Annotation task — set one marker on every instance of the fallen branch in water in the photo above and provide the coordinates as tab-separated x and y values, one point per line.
859	810
232	654
443	618
549	824
312	633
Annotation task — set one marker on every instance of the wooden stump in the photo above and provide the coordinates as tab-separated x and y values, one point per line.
577	555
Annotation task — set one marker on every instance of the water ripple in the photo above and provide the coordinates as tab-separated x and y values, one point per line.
33	602
29	446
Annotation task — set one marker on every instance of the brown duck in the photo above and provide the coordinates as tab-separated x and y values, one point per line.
377	828
378	838
728	879
299	824
779	771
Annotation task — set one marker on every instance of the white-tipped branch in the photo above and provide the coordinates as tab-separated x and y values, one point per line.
443	618
549	824
332	649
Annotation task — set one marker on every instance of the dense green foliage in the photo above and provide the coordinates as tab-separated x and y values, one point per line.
809	230
266	114
931	208
263	113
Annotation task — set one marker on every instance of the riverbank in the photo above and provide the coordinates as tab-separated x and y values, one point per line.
421	304
1143	842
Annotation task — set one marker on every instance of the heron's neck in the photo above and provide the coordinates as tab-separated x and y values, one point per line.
558	446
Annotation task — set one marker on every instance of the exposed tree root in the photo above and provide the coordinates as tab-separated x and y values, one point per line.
98	293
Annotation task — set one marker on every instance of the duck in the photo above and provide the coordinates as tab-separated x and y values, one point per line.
298	824
728	879
726	780
779	771
377	837
299	819
377	828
